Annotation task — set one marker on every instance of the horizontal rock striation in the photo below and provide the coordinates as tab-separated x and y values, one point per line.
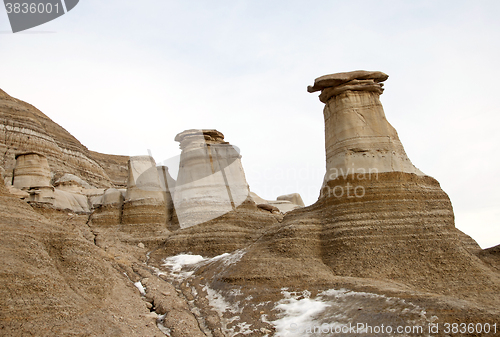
108	213
390	224
24	128
358	137
115	167
231	231
32	170
56	282
144	202
379	244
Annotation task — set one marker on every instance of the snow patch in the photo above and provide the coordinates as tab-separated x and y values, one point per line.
159	323
297	310
179	262
334	309
139	286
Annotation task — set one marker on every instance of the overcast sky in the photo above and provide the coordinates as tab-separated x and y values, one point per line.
125	77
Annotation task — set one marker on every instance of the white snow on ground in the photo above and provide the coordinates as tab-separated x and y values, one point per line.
139	286
332	311
298	314
177	263
159	323
298	310
182	267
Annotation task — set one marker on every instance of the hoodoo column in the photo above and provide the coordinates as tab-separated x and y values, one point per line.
211	179
358	137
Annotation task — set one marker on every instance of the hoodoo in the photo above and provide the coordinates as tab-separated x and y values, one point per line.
32	170
376	204
384	220
358	137
202	256
211	179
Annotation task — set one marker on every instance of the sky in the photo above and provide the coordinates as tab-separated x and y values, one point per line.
124	77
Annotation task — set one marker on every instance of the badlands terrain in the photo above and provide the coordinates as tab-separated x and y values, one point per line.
106	245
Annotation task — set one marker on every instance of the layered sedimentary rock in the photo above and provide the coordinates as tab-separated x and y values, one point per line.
144	202
142	211
107	212
212	200
32	175
24	128
491	256
386	234
358	137
116	167
283	203
294	198
381	217
393	223
211	180
32	170
56	282
71	182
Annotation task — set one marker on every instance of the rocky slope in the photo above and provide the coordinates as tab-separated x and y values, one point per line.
114	166
54	282
378	247
24	128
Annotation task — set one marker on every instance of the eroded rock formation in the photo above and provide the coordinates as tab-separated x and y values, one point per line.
388	230
211	180
138	212
32	170
55	281
24	128
107	211
358	137
32	175
167	186
379	246
283	203
395	223
144	202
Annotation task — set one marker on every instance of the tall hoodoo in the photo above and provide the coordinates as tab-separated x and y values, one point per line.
376	206
211	179
358	137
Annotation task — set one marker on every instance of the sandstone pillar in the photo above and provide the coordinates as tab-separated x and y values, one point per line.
358	137
32	174
108	214
376	206
211	179
32	170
